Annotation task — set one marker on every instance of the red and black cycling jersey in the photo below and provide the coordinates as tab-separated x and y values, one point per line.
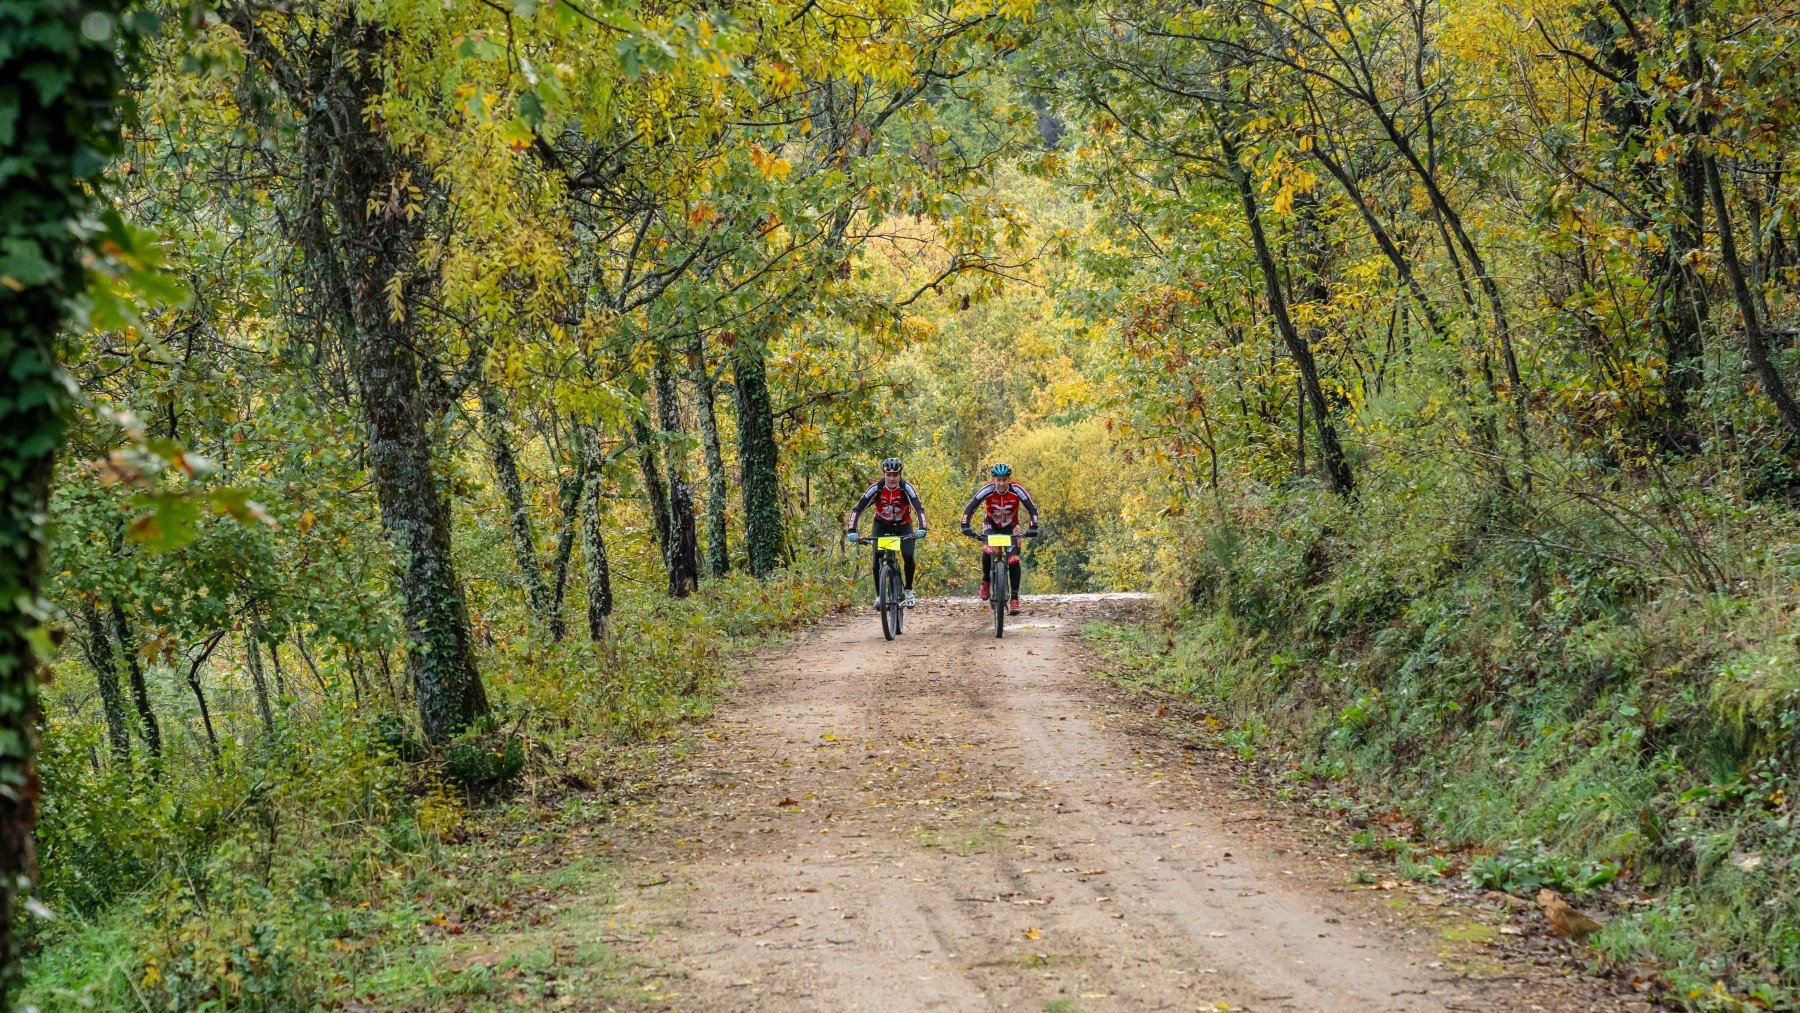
1004	500
892	504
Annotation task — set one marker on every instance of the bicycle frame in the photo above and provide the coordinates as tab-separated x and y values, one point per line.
888	598
998	550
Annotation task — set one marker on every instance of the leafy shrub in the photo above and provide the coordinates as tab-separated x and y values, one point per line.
482	764
1525	869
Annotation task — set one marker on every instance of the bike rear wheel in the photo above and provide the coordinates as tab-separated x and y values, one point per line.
890	610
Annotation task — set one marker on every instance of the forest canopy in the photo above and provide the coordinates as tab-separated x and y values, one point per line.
415	404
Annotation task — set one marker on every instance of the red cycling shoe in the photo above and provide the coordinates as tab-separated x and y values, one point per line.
984	590
1013	608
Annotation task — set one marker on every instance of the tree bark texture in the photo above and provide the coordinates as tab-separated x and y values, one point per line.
681	553
259	681
570	498
656	498
140	691
105	663
599	574
366	257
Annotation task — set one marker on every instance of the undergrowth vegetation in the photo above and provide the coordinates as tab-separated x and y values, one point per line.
1563	720
302	865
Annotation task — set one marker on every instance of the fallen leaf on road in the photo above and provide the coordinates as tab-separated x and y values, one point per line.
786	801
1033	934
1566	921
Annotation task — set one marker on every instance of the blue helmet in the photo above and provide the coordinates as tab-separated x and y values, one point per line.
1001	470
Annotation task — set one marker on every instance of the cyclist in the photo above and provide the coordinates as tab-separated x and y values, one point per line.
1003	498
895	500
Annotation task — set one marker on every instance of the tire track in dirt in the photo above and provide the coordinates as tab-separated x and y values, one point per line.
951	821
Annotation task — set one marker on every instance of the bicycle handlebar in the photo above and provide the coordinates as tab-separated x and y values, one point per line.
854	538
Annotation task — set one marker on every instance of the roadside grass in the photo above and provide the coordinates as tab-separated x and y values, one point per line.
323	868
1588	757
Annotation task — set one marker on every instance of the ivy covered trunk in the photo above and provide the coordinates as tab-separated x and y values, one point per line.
758	459
60	82
681	553
106	676
372	243
415	513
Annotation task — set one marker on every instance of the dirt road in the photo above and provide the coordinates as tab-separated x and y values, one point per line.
955	822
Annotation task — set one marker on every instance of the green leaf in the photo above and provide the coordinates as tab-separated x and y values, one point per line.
171	523
23	263
531	108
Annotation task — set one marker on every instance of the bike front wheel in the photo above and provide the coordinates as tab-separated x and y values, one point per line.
896	599
890	610
1000	592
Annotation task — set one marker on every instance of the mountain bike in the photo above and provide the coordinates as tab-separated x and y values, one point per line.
890	589
998	546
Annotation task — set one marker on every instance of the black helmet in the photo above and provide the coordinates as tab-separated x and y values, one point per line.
1002	470
891	466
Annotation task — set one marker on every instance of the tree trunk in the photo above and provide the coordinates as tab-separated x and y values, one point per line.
656	498
65	83
415	513
757	459
1448	219
1756	345
506	473
1402	266
599	574
372	242
681	554
1300	430
256	633
253	654
570	498
106	674
311	665
193	681
1337	468
718	549
140	692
